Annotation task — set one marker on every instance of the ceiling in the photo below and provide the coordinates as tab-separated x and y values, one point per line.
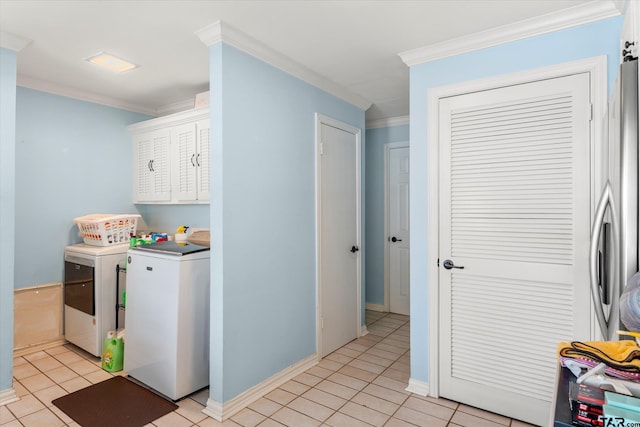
353	44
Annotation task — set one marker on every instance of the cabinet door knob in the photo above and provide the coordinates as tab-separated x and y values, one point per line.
192	157
198	159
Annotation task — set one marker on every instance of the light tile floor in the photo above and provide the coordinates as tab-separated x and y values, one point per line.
360	384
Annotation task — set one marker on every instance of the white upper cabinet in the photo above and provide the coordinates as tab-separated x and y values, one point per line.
171	162
152	172
191	151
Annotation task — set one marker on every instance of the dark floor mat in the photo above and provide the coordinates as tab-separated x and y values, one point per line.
114	402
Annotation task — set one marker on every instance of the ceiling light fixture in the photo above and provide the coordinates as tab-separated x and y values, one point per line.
111	63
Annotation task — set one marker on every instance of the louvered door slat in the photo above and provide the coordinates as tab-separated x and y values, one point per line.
160	167
514	210
204	160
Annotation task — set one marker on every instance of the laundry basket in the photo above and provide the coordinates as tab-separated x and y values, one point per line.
107	229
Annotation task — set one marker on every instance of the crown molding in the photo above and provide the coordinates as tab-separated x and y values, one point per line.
68	92
176	107
570	17
13	42
621	5
388	122
223	32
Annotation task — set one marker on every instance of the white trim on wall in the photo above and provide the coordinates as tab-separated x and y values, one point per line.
597	67
389	122
571	17
8	396
72	93
374	307
223	411
222	32
418	387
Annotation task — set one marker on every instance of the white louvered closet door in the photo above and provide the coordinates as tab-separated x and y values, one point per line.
515	212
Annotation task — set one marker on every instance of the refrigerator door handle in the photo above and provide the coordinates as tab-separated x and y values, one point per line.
607	326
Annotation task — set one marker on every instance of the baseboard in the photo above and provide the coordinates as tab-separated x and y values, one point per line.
8	396
363	330
38	347
37	316
418	387
222	411
374	307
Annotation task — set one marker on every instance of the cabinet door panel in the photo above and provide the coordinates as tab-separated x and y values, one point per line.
203	160
160	165
151	166
143	187
184	157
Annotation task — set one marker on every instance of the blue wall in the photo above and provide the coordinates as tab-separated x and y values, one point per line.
374	208
263	216
166	218
599	38
7	212
73	158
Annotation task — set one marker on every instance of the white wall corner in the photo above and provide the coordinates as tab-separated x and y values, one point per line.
211	34
418	387
8	396
213	409
223	411
571	17
388	122
621	5
222	32
13	42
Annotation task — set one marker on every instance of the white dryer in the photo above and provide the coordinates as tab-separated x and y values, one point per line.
90	293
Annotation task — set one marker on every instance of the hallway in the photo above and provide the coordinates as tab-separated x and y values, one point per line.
360	384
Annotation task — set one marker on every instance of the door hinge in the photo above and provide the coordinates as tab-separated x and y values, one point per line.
590	112
321	148
438	262
322	323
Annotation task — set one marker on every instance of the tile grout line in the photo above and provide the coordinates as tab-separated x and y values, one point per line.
358	391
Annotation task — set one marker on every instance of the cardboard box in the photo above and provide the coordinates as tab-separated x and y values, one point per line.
586	405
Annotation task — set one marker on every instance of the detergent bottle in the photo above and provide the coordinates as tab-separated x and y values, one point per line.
113	353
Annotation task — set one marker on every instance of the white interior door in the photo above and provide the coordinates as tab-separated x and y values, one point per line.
398	220
515	213
339	237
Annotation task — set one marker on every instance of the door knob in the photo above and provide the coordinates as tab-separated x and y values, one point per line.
448	264
354	249
394	239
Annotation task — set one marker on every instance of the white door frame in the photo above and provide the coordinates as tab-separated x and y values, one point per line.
387	285
597	67
321	119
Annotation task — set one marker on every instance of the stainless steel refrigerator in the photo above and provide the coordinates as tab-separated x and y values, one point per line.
614	234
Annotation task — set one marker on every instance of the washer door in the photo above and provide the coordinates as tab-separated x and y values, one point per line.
79	287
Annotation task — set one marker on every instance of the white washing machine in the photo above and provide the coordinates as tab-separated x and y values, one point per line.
167	341
90	293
